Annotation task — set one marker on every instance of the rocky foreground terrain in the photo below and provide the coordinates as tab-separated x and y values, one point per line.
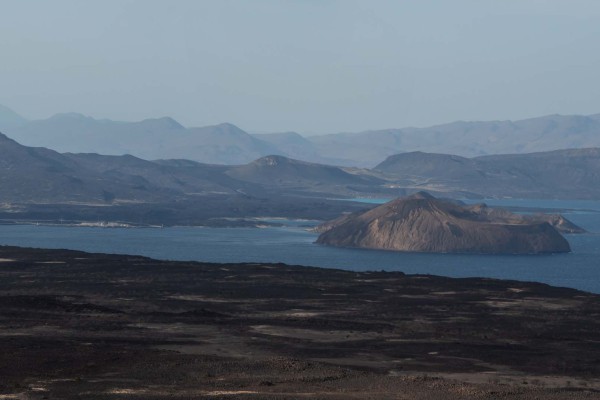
76	325
422	223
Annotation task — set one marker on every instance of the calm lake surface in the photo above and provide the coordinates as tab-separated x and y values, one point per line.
294	245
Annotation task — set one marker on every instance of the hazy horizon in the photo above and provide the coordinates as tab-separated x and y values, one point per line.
306	134
313	67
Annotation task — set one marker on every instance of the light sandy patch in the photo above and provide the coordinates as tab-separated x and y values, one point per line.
191	297
36	330
199	339
532	303
14	333
206	340
516	290
507	377
444	293
182	328
228	346
127	391
501	304
416	296
314	335
229	392
376	361
6	260
303	314
51	262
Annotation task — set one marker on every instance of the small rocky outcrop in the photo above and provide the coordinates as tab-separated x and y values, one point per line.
422	223
559	222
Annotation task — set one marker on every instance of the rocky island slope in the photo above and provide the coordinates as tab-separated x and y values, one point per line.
422	223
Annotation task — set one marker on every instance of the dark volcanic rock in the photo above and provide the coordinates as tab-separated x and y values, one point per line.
422	223
76	325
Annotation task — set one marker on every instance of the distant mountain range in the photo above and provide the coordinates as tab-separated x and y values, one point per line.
37	183
9	119
467	139
567	174
40	175
152	139
149	139
165	138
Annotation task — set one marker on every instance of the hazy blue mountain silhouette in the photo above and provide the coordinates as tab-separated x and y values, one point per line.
9	119
149	139
571	173
227	144
466	139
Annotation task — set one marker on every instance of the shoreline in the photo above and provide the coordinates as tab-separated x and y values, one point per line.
216	223
295	245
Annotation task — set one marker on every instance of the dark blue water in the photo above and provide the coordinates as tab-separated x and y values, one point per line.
294	245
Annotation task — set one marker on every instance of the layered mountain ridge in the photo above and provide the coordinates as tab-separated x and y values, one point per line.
571	173
35	178
227	144
42	175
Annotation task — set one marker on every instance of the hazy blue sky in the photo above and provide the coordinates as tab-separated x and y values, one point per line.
306	65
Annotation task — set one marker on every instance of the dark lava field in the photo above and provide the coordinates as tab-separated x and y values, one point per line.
75	325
